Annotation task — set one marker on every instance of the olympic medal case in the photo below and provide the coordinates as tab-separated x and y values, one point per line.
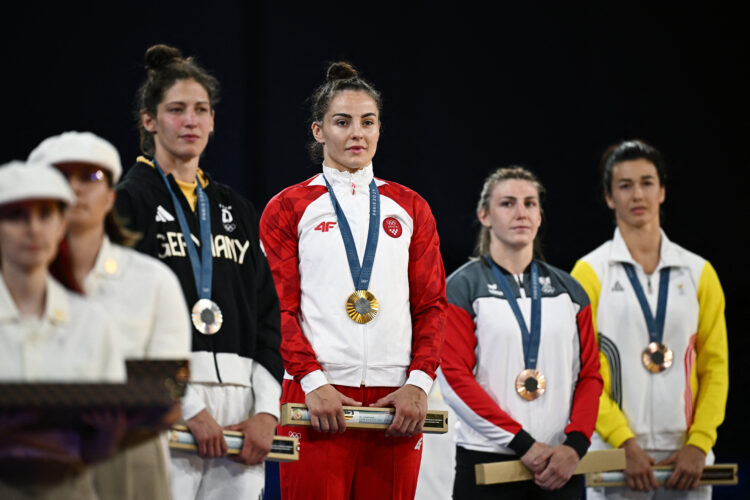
147	400
151	384
436	421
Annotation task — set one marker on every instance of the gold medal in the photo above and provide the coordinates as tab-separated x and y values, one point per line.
530	384
362	306
657	357
207	317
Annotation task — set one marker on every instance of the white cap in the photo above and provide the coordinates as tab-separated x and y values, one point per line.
21	181
78	147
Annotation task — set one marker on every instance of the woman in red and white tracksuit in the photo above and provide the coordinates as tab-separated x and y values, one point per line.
384	350
520	364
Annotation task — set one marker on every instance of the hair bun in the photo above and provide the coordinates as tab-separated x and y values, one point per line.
341	71
158	56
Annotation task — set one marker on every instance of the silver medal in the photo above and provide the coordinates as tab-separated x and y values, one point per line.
207	317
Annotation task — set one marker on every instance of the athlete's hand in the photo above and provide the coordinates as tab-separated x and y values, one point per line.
208	435
410	403
324	405
639	472
536	457
560	466
689	462
259	431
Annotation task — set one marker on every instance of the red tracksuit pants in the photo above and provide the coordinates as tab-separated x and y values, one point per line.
355	465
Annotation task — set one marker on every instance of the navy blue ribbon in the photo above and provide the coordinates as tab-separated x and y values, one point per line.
360	274
203	265
655	325
530	336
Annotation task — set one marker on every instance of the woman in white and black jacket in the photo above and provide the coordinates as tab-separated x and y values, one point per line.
520	364
235	364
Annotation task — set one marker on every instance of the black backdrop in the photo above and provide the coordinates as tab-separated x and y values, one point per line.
466	88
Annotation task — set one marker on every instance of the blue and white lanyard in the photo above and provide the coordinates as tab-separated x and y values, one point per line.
530	336
360	274
203	266
655	325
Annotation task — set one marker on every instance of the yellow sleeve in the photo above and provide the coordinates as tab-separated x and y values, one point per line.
611	423
711	362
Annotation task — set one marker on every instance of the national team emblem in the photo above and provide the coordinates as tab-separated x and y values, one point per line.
546	283
392	227
226	218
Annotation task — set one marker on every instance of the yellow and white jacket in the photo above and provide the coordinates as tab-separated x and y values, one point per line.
685	403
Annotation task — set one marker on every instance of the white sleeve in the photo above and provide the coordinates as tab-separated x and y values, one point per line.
191	403
266	390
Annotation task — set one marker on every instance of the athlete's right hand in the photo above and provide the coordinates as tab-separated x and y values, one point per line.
325	407
208	435
638	467
536	457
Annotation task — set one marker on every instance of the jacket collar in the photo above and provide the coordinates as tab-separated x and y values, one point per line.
668	254
56	303
361	178
204	178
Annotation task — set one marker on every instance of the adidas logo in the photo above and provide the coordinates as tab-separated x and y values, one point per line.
162	215
617	287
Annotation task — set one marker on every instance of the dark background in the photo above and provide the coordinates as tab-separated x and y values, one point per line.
466	88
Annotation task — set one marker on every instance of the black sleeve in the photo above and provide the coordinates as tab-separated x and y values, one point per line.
269	319
126	209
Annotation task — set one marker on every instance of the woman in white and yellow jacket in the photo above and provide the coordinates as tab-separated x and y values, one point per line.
665	367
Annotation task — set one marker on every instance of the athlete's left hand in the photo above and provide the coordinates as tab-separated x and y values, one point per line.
259	431
560	467
689	462
410	403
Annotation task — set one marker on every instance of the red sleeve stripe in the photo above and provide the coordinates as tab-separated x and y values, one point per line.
278	232
585	405
460	388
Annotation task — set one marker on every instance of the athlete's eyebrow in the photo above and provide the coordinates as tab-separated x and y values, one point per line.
346	115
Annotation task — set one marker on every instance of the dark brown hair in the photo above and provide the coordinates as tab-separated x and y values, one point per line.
61	268
500	175
117	232
164	67
634	149
340	76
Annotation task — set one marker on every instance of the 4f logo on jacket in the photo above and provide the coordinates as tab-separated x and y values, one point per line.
325	226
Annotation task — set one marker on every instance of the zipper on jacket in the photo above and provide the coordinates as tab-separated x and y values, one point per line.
521	289
364	354
216	362
648	284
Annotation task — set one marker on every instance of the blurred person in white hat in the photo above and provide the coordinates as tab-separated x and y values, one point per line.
47	334
142	295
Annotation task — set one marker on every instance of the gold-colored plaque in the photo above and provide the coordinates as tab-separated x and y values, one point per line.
657	357
530	384
207	317
362	306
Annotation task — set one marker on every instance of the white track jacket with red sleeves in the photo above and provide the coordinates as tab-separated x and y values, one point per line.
483	355
321	344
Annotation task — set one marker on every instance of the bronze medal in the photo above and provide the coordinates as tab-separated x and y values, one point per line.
530	384
362	306
657	357
207	317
